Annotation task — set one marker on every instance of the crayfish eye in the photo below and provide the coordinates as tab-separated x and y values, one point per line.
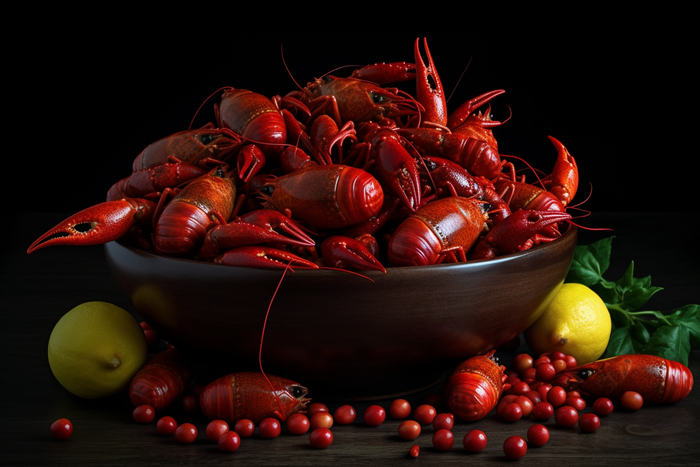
326	79
376	98
585	374
431	165
298	391
206	139
267	190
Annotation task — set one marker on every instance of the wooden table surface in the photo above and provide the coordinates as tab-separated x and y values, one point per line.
37	289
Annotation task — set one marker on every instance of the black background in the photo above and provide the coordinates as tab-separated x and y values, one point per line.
621	99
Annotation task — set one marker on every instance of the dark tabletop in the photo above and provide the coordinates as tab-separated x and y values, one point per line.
37	289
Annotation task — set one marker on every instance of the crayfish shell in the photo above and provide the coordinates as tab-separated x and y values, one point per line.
252	396
474	388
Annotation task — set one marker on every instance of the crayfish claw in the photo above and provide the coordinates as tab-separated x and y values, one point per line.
97	224
348	253
263	257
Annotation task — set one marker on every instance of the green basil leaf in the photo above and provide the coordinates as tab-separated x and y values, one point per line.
670	342
688	316
590	262
640	335
620	343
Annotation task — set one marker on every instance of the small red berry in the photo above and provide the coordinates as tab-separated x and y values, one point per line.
603	406
298	423
321	438
576	402
632	401
443	440
542	411
321	420
269	428
244	428
229	441
475	441
525	404
166	425
515	447
443	421
589	422
566	416
344	415
409	429
215	429
414	451
190	403
186	433
400	409
556	396
512	412
424	414
522	362
316	407
61	429
144	413
538	435
374	415
546	371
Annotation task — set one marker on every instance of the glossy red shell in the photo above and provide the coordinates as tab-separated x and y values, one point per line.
162	380
474	388
248	395
328	196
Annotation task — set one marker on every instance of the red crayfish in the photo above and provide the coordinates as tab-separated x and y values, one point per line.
658	380
342	173
475	386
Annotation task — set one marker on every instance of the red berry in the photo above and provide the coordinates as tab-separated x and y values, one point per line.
576	402
589	422
522	362
541	361
538	435
543	389
400	409
269	428
229	441
316	407
571	361
215	429
409	429
443	439
144	413
515	447
557	356
166	425
424	414
475	441
244	428
603	406
321	438
443	421
525	404
298	423
414	451
534	396
519	388
631	400
186	433
190	403
61	429
321	420
374	415
559	365
556	396
512	412
344	415
566	416
542	411
546	372
505	400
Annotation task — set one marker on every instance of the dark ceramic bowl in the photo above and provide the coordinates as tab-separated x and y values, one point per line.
341	335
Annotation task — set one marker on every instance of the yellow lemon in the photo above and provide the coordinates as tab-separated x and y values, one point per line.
95	349
575	322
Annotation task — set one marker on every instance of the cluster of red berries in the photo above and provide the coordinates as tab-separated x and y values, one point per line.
532	393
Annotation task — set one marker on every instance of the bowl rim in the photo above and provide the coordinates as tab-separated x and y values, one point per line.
476	264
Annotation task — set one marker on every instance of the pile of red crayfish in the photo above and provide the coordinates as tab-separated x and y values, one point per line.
343	173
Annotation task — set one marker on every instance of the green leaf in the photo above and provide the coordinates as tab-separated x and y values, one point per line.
670	342
688	316
634	292
590	262
640	334
620	343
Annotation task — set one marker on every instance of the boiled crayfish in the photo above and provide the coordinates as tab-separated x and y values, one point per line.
658	380
343	172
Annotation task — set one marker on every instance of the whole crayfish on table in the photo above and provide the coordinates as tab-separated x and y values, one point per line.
344	173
